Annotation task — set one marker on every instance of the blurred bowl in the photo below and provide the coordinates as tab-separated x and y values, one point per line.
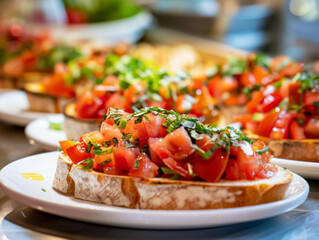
128	30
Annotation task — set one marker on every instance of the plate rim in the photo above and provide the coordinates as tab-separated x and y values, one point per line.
19	119
38	142
95	208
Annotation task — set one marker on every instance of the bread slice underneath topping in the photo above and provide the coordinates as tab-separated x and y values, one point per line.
161	193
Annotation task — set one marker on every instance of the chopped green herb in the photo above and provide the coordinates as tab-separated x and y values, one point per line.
137	163
175	176
43	190
85	164
110	142
262	151
55	126
60	149
190	170
105	162
102	152
316	104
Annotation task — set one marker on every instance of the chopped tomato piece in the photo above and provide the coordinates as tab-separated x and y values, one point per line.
213	168
154	126
297	131
102	161
88	105
176	145
282	126
260	73
247	79
115	101
77	153
310	97
312	128
144	168
177	166
125	157
182	105
267	171
266	125
243	118
294	96
95	136
252	105
66	144
269	102
109	131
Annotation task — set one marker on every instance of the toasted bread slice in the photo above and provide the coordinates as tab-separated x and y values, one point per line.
39	101
74	126
302	150
161	193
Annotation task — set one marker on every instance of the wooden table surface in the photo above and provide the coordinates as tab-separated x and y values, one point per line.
18	221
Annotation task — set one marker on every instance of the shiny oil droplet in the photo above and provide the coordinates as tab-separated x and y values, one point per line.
33	176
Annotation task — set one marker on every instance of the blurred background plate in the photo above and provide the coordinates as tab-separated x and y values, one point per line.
14	109
46	132
305	169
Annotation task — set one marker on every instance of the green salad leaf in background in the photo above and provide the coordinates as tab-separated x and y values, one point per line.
81	11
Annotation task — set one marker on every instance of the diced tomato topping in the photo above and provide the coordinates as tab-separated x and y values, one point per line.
310	97
95	136
144	168
176	145
294	96
154	126
312	128
269	102
88	105
179	167
266	125
252	105
282	125
260	73
297	131
125	157
212	169
110	131
103	161
77	153
66	144
115	101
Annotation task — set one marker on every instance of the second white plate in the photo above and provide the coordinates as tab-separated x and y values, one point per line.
38	194
305	169
39	133
14	109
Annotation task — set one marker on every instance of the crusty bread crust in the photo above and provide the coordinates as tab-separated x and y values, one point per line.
43	102
74	127
302	150
158	193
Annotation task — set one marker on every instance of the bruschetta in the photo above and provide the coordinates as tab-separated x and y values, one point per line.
159	159
285	115
132	83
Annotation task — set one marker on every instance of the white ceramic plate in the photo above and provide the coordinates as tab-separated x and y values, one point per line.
305	169
39	133
128	30
14	109
41	196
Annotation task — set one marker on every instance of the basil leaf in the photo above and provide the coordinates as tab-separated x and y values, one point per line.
105	162
262	151
102	152
137	163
